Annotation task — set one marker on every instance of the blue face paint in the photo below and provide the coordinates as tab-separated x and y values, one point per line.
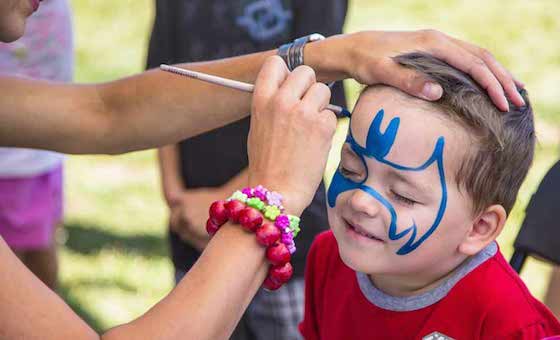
378	145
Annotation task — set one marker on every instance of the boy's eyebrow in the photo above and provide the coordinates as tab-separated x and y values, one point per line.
402	178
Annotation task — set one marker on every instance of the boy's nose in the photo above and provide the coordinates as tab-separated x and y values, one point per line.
364	203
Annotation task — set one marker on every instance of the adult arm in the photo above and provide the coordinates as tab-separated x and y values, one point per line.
157	108
288	111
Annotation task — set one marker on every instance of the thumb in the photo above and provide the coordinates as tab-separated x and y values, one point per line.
410	81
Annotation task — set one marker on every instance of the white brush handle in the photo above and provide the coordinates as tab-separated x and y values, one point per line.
234	84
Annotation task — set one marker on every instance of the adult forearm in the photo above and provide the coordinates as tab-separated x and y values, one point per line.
157	108
150	109
209	301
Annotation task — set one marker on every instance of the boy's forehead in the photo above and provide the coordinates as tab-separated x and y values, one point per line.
419	129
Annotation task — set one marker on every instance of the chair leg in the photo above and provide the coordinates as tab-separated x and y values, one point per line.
518	260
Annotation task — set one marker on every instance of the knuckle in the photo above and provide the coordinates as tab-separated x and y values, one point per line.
478	65
306	72
409	81
274	61
485	54
301	110
431	35
273	64
323	88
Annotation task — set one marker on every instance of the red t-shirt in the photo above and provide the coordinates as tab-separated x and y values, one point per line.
489	302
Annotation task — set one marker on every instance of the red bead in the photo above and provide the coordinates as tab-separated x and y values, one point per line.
270	284
218	212
250	219
278	254
281	274
211	227
268	234
234	208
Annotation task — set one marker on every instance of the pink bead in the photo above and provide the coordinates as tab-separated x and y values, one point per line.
287	238
282	221
218	212
270	284
282	273
278	254
234	208
292	248
274	198
260	193
250	219
268	234
248	191
211	227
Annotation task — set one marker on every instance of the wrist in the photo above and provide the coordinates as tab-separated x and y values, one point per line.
261	212
329	58
291	198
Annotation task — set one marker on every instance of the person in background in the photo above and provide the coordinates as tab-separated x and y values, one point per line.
552	299
31	185
210	166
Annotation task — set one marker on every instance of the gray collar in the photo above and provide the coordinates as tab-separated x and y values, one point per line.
415	302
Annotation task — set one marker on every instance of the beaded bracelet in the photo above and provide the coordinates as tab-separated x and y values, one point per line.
270	204
247	208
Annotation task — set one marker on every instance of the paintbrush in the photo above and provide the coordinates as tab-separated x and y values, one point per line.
234	84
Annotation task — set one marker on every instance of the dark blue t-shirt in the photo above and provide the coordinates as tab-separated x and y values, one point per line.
187	31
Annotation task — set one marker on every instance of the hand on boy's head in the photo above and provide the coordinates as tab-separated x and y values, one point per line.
374	51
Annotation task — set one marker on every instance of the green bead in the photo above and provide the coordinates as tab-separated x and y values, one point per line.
271	212
256	203
239	196
294	221
294	224
295	230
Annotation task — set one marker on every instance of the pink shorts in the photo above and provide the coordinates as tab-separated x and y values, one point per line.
30	209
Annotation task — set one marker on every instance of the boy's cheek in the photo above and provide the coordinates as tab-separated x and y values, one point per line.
331	217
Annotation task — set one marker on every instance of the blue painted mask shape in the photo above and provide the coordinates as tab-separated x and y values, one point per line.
378	146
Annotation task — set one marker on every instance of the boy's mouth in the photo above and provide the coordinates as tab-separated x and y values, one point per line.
360	232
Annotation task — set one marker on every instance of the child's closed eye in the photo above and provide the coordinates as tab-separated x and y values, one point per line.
403	199
347	172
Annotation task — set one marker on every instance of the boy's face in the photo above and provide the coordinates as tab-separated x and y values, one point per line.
394	206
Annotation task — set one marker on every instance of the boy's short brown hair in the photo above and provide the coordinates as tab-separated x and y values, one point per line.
494	168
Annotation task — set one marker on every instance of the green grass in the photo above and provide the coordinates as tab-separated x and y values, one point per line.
114	262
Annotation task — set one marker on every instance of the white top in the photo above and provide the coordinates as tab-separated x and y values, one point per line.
44	52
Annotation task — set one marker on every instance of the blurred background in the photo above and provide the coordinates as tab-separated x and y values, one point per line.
113	252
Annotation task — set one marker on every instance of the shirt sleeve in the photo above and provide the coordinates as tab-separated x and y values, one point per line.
538	330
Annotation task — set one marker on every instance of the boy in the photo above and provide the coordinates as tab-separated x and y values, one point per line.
420	195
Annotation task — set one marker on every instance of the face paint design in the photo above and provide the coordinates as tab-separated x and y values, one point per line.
378	145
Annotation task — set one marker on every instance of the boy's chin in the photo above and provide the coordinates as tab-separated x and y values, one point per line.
358	262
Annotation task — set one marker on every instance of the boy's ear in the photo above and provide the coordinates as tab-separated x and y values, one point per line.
485	229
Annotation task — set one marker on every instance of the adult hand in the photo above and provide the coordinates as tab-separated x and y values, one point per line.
368	57
291	132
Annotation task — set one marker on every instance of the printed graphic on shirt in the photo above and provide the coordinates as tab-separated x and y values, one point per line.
265	19
437	336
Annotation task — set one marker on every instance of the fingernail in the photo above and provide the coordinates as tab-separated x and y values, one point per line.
521	100
505	105
432	91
